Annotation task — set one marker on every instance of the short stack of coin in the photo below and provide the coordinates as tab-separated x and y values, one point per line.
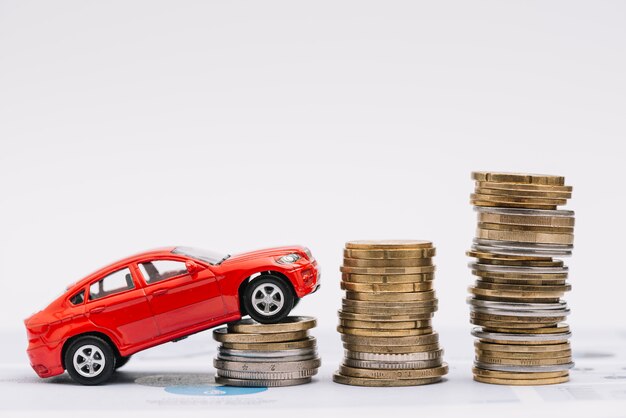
253	354
385	319
516	299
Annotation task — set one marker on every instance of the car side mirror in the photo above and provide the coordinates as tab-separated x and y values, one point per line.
193	267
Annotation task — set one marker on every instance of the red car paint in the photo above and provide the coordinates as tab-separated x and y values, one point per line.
152	314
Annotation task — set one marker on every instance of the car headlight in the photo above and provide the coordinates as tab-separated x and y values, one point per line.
289	258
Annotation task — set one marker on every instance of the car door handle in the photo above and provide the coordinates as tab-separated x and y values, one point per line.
98	309
159	292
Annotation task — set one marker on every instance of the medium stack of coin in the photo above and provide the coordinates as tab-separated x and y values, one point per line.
253	354
516	299
385	319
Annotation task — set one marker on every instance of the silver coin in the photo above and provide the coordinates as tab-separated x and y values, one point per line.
521	248
265	359
521	253
498	336
525	212
390	358
395	365
522	369
267	354
527	313
259	382
518	269
268	367
514	306
234	374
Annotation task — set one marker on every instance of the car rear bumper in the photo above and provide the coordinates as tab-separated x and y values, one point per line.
45	360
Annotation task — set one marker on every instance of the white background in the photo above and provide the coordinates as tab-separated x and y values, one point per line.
235	125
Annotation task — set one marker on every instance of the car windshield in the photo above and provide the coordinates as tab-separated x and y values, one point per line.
210	257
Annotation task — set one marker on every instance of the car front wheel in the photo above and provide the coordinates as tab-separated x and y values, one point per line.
268	299
90	360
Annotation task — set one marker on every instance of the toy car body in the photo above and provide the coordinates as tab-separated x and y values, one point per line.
159	296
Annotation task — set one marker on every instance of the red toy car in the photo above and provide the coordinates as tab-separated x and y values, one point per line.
160	296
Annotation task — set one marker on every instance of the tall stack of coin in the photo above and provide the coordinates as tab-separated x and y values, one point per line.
385	319
253	354
516	300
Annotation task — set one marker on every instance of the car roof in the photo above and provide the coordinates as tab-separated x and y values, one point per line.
158	252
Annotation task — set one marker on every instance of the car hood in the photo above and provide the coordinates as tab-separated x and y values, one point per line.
268	252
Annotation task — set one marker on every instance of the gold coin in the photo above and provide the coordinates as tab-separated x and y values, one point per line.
221	335
531	349
523	288
399	305
514	355
555	329
387	279
488	204
523	193
384	341
394	374
378	318
539	282
511	318
387	270
417	314
504	258
511	262
542	179
517	299
395	262
517	200
522	382
387	325
390	254
391	297
514	327
289	324
392	349
532	237
362	332
515	295
518	375
524	362
520	186
387	288
528	220
526	228
305	343
529	276
359	381
388	244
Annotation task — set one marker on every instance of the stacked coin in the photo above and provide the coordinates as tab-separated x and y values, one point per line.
516	299
385	319
253	354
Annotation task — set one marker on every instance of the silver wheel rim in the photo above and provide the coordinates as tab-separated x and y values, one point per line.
89	361
267	299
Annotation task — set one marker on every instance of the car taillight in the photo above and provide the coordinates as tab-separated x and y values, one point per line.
36	330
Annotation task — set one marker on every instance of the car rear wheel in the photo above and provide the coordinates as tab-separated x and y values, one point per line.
120	361
268	299
90	360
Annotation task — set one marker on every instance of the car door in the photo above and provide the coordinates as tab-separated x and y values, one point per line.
117	304
178	299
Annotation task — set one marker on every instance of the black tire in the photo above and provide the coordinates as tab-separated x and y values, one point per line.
280	299
296	300
101	366
121	361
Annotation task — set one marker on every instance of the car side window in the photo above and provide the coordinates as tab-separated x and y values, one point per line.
158	270
78	298
115	282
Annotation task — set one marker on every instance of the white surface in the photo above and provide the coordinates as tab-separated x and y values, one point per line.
234	125
597	387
